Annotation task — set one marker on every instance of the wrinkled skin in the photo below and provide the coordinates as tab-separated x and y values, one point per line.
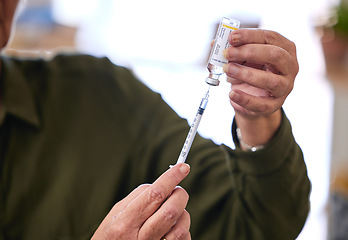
262	69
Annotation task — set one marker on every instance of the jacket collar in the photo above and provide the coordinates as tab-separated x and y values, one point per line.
17	97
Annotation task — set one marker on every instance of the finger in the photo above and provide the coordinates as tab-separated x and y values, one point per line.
121	205
145	204
280	59
212	43
166	216
275	84
130	197
260	36
108	222
181	230
247	103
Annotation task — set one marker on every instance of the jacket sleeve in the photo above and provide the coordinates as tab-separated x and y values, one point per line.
250	195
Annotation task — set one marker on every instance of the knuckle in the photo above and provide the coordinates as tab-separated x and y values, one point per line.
287	88
290	86
248	75
180	233
297	67
292	46
156	195
274	84
247	103
143	236
279	86
276	54
264	108
269	36
249	52
170	212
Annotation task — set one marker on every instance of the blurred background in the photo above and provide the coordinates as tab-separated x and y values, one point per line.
167	43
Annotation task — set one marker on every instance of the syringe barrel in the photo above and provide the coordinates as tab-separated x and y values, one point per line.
193	129
203	104
189	139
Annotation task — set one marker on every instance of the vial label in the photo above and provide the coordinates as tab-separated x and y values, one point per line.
221	42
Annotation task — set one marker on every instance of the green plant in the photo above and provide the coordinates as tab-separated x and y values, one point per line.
341	14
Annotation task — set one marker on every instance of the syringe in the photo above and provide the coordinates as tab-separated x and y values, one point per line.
215	68
193	129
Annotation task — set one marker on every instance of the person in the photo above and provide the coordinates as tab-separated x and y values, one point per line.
84	145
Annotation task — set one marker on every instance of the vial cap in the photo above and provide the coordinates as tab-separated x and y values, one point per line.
212	81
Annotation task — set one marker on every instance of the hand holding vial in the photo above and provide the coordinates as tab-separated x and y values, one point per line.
262	69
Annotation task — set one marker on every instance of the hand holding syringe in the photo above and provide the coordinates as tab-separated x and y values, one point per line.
215	67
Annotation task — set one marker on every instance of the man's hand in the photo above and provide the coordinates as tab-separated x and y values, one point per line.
151	211
262	69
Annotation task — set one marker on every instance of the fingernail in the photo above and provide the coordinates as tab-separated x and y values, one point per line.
184	168
234	38
234	96
225	53
225	67
230	68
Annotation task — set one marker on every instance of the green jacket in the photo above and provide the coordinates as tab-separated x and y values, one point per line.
79	133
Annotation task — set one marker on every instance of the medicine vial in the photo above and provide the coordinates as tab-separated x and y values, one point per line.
216	58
